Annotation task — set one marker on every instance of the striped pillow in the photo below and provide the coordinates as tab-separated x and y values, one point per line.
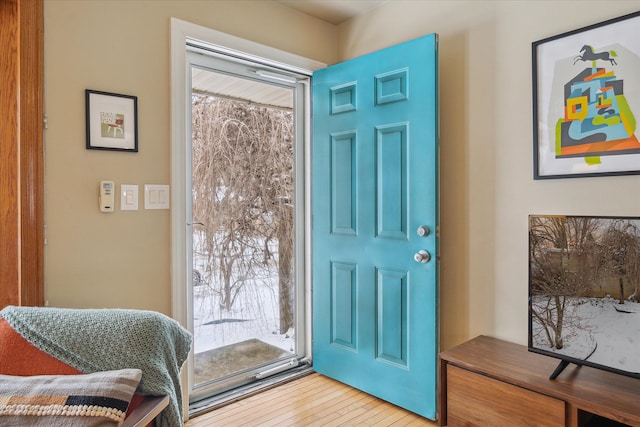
98	399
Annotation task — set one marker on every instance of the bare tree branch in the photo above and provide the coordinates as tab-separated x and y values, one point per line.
242	163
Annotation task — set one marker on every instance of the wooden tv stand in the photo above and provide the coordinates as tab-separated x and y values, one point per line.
490	382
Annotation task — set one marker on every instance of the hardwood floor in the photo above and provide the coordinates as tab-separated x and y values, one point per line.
313	400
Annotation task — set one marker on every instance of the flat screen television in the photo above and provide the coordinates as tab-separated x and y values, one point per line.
584	274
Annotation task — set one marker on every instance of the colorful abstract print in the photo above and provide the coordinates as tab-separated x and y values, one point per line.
597	118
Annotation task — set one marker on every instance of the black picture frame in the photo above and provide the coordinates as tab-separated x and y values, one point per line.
586	90
111	121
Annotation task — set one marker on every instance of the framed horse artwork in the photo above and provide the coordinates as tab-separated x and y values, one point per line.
586	101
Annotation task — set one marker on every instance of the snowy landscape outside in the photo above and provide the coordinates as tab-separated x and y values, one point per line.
243	210
254	315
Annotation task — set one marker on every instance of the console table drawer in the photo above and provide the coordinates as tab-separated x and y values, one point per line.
476	400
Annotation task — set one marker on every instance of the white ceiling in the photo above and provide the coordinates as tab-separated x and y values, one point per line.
333	11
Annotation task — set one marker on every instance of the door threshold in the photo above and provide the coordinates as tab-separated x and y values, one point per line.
215	402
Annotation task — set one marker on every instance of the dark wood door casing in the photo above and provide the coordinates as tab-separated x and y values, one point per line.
21	153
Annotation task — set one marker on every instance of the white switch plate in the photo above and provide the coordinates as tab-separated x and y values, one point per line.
156	196
128	197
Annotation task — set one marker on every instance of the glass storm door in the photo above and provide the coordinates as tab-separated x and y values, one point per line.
246	290
375	219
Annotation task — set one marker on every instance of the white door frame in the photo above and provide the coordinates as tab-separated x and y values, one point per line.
181	33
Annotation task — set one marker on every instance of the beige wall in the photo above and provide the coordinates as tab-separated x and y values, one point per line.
487	190
122	259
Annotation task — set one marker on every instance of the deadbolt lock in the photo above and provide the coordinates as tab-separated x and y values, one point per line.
423	231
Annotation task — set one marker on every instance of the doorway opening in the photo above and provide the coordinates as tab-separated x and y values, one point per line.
243	203
212	67
246	218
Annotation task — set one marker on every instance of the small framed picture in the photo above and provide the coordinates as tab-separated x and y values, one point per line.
112	121
586	101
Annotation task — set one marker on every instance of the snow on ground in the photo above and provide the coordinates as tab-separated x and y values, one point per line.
255	314
614	335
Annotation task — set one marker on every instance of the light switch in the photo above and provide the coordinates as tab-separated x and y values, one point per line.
156	196
128	197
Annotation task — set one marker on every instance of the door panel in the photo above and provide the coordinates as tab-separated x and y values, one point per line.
375	181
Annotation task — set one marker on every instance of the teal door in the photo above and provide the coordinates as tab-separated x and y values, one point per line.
375	216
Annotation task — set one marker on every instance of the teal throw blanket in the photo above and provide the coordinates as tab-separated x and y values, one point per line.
93	340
